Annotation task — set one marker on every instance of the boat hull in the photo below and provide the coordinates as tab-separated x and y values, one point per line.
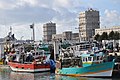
18	67
97	70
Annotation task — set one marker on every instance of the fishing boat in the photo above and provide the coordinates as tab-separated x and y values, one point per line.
87	65
30	62
29	67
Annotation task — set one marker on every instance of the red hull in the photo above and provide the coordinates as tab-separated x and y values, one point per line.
29	67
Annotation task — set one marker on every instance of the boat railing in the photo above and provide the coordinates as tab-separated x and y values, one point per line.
98	61
27	62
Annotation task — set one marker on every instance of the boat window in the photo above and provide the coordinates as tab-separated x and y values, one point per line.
94	58
75	48
17	52
40	52
36	53
87	46
84	59
33	54
22	67
100	58
89	58
97	57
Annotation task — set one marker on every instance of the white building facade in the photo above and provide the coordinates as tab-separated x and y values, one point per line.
88	22
108	30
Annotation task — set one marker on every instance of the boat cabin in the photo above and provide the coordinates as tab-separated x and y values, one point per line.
37	53
91	59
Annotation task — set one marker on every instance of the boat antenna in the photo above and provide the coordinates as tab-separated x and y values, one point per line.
11	29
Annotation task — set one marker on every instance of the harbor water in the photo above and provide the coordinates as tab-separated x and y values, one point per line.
7	74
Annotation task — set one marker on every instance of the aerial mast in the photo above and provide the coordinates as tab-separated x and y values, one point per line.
32	27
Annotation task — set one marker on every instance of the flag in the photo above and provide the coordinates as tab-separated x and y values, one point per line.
31	26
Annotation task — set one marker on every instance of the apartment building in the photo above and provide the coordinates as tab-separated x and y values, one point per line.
88	22
48	30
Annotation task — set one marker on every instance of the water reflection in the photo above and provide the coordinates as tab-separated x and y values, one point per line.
7	74
21	76
29	76
4	73
79	78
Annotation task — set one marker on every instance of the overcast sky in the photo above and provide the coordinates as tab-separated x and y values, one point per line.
21	13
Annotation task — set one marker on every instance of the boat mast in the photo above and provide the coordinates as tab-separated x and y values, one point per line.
56	48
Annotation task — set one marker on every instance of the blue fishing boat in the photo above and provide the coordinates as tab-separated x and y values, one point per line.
90	65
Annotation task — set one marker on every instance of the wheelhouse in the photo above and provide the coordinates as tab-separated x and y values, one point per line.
91	59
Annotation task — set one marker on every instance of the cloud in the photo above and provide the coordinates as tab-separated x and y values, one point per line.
110	18
21	13
116	1
27	14
35	10
4	30
66	20
7	4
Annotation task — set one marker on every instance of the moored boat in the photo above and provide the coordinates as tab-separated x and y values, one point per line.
29	67
93	65
33	61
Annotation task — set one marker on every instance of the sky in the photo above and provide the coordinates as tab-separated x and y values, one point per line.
19	14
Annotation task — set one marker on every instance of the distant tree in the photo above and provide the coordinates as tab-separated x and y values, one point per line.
100	38
119	35
116	35
104	36
111	35
97	37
